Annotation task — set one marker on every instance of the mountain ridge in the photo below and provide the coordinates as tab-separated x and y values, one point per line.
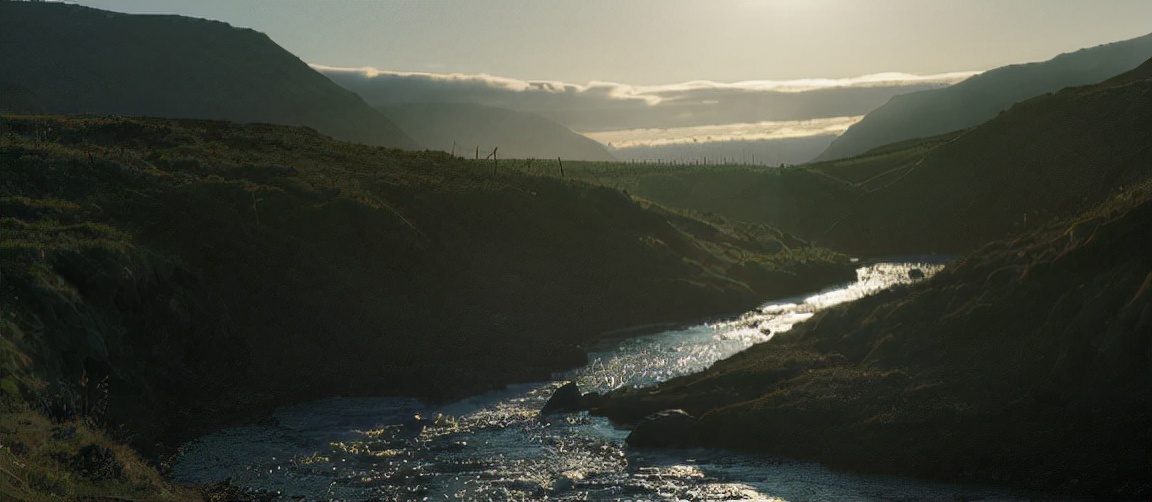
61	58
931	112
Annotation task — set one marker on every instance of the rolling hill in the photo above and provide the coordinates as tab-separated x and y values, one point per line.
206	271
59	58
1047	158
981	97
462	127
1026	363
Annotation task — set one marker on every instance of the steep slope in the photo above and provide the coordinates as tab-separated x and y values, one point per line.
463	127
58	58
979	98
1027	364
1047	158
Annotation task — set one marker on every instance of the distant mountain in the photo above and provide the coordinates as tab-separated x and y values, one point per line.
462	127
1044	159
59	58
977	99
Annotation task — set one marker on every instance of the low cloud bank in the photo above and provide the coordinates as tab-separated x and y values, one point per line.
752	131
609	106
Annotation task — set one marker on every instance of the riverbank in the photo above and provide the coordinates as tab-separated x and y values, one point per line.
1025	365
186	275
500	445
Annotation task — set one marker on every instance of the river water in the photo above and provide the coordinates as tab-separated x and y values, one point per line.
495	446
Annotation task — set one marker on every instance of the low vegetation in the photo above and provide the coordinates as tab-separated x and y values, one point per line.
1044	160
207	271
1024	364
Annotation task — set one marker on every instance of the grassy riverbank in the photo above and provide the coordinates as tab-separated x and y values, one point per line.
189	274
1025	364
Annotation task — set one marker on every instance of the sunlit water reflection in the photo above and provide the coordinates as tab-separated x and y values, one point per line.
496	447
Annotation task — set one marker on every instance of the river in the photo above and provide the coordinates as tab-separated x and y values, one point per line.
495	446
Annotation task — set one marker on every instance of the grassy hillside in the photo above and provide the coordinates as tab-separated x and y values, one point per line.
977	99
1026	364
1043	160
190	273
463	128
58	58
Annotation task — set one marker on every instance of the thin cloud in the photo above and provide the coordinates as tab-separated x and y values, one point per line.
493	82
609	106
655	94
891	79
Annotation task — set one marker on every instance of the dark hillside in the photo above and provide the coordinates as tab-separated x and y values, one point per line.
798	201
518	135
210	270
1026	364
59	58
979	98
1043	160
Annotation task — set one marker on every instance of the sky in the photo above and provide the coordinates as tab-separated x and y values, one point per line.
658	73
648	42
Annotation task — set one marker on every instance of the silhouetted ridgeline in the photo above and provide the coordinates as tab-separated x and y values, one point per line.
59	58
211	270
979	98
518	135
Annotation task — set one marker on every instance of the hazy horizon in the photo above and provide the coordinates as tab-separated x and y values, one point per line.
654	74
650	79
644	43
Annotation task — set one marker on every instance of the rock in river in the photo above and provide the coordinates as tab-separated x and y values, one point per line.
566	399
665	429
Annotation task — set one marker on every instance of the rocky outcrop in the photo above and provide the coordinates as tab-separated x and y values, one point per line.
566	399
665	429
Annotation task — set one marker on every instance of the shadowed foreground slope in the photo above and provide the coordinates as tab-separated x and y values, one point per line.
1026	364
205	271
